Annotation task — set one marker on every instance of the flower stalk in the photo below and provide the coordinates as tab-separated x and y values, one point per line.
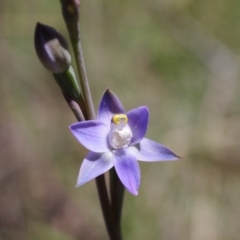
70	11
117	194
74	107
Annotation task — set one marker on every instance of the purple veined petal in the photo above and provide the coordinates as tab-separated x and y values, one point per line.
128	170
92	135
94	165
138	122
110	105
151	151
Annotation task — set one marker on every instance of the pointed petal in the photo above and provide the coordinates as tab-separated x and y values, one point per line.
138	122
151	151
92	135
110	105
94	165
128	170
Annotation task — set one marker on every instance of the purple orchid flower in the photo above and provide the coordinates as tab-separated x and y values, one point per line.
116	139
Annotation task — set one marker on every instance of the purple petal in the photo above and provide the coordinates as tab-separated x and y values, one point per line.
92	135
110	105
94	165
151	151
128	170
138	122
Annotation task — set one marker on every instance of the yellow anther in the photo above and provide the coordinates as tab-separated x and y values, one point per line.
120	118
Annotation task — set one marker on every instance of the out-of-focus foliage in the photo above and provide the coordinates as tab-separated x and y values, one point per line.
178	57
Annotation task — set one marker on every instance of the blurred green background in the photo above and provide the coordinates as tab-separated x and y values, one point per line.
178	57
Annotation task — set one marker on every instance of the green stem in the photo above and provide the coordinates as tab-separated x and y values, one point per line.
81	103
77	49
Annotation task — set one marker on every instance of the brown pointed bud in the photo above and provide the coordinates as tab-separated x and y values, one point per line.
70	12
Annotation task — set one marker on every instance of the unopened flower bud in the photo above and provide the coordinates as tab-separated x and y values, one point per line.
70	11
52	49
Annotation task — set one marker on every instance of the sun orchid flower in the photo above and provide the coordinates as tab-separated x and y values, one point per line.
116	139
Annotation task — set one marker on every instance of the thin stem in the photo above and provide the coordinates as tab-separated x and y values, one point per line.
71	10
117	194
100	180
74	107
106	207
77	49
81	103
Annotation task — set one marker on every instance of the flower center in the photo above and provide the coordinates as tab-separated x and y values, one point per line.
120	133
